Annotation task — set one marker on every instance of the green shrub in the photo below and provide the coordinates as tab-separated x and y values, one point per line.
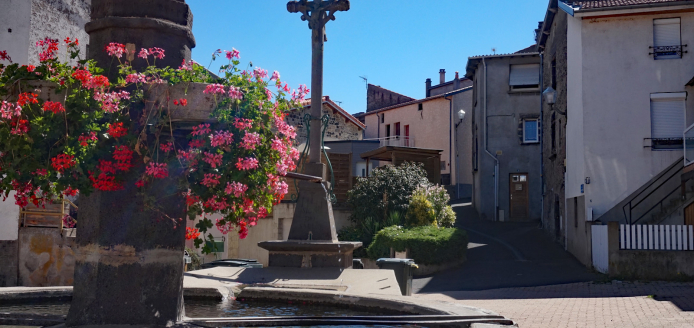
387	190
427	244
447	217
366	230
421	211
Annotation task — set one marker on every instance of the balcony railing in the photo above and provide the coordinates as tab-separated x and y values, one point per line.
666	52
398	141
689	145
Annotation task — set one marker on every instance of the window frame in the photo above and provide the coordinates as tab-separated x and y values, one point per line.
524	87
537	133
677	54
673	143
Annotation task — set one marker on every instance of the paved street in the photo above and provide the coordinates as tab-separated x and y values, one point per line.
515	270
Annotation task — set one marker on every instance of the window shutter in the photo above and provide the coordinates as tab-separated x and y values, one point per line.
667	118
666	32
525	75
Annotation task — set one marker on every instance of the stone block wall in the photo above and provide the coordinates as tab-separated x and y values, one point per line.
377	98
58	19
46	257
8	268
554	129
339	128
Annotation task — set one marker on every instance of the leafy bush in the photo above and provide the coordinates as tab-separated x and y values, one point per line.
387	190
427	244
366	230
447	217
421	211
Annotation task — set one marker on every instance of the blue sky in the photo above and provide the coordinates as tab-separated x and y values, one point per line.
396	44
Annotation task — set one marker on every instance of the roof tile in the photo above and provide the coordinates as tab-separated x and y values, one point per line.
594	4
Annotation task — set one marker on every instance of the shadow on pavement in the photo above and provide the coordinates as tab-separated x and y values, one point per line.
505	254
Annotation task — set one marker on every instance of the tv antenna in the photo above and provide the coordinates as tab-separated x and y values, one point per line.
366	82
494	50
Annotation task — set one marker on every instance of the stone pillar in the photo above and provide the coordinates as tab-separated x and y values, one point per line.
129	258
165	24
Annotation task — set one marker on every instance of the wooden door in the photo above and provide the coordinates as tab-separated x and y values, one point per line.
518	194
689	214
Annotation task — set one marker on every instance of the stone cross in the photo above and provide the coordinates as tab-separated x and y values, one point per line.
317	13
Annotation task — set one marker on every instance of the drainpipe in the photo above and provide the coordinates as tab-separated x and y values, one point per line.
486	150
542	143
450	138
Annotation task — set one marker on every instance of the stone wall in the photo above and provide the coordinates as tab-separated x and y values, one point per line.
46	258
58	19
647	264
377	98
8	268
554	129
339	128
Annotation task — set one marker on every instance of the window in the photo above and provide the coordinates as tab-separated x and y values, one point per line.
388	130
524	77
667	120
420	106
397	129
443	165
666	39
530	130
383	117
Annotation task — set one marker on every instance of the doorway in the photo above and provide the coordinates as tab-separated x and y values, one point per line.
689	214
518	194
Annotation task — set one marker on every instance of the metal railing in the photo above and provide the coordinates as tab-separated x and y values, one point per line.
673	173
398	141
668	51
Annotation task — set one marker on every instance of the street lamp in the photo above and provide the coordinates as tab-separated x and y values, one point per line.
461	114
550	95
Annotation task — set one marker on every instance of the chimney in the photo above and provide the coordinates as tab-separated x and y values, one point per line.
442	76
456	82
428	87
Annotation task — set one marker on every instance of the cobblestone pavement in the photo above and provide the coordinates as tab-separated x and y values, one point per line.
586	304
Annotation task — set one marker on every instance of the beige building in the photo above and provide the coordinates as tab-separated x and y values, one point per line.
429	123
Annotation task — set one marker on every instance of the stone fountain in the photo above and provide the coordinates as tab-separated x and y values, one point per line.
312	241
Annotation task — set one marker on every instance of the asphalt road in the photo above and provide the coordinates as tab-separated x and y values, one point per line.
503	255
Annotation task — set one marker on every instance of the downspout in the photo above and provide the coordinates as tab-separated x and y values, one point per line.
450	138
542	143
486	150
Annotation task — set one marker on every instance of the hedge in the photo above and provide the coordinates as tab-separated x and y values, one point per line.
427	244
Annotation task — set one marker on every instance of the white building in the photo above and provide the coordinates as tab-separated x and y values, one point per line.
627	107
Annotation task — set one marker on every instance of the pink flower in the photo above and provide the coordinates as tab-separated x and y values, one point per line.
201	130
188	67
223	227
143	53
215	205
279	188
268	93
262	212
285	128
247	163
243	123
213	159
221	138
232	54
278	145
210	180
157	52
9	109
235	92
236	188
286	87
115	49
250	140
157	170
135	78
294	153
214	89
275	76
259	73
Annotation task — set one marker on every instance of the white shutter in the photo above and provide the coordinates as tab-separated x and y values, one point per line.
666	32
667	117
528	74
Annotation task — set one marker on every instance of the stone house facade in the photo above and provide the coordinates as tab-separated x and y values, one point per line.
505	131
551	42
341	125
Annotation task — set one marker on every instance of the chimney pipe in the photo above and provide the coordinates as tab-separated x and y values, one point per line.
428	87
456	82
442	76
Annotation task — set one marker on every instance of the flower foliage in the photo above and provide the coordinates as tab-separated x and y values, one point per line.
100	133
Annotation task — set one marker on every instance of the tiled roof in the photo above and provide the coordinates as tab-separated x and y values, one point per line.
595	4
337	108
